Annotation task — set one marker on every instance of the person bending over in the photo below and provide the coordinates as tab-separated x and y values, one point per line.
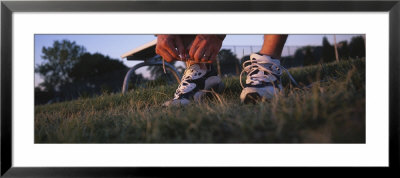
200	51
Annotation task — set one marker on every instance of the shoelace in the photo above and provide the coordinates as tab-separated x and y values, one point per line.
187	64
163	65
254	65
187	75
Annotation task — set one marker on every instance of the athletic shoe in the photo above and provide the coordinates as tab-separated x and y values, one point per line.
194	84
263	80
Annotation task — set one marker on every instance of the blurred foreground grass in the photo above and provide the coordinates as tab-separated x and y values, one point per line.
327	107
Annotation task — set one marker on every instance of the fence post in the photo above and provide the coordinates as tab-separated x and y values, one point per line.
335	45
237	67
218	66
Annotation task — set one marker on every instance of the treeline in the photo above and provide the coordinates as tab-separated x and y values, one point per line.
311	55
69	72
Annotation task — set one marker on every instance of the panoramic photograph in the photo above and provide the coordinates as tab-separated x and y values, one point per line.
200	88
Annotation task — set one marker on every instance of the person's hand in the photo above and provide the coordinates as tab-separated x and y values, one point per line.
170	47
205	48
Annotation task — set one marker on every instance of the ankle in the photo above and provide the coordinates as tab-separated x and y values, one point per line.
272	55
271	58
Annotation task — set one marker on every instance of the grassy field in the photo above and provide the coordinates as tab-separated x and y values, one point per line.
327	107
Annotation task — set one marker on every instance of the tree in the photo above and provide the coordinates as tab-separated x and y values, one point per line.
343	50
69	72
42	97
90	66
228	62
328	51
59	61
357	47
308	56
96	73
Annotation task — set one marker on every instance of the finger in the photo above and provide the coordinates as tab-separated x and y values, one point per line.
193	48
171	49
188	47
166	55
206	57
163	53
158	50
181	48
200	52
214	56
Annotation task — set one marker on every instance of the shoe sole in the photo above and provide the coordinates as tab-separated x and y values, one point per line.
213	83
255	95
217	89
252	98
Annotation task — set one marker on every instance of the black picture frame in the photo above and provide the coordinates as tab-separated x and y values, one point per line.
8	7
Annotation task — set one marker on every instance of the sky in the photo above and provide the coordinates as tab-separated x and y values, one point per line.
116	45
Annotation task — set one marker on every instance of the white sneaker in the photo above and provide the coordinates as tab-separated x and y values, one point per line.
194	84
263	80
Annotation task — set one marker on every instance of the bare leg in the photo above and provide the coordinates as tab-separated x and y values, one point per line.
273	45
